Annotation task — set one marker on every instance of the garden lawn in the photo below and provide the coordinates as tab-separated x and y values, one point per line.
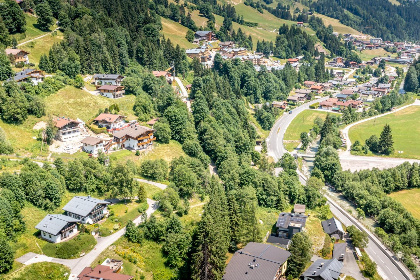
405	131
76	103
32	30
167	152
176	33
42	270
366	55
302	123
41	46
409	199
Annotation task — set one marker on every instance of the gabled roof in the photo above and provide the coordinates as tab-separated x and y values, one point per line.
15	51
109	87
101	272
202	33
108	117
54	223
62	122
133	131
325	269
107	76
256	261
332	225
92	141
82	205
299	208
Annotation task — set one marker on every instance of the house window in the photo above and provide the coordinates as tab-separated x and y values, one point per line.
49	236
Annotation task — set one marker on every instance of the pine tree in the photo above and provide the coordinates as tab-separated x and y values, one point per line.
5	67
44	63
45	16
386	144
301	254
6	256
411	80
213	237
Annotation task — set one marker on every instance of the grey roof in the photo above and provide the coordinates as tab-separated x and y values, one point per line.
339	250
54	223
332	225
24	74
278	240
256	261
202	33
341	96
132	131
107	76
289	219
325	269
82	205
384	86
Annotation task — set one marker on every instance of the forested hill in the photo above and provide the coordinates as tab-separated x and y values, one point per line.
379	18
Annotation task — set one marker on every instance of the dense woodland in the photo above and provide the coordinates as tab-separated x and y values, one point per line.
375	17
412	79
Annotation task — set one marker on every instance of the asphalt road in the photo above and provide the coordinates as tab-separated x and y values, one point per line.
275	146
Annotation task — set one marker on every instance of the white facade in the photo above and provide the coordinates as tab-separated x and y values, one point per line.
93	149
68	134
58	238
113	82
89	219
111	95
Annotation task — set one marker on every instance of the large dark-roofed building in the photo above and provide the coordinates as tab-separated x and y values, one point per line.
289	224
257	261
333	228
86	209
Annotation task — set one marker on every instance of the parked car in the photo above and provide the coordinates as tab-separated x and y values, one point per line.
290	112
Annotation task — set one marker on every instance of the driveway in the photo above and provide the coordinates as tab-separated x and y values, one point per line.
77	265
350	266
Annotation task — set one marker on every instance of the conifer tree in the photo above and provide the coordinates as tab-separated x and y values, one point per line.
301	254
386	143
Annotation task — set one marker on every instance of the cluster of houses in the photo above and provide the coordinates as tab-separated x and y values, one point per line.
58	228
268	261
125	135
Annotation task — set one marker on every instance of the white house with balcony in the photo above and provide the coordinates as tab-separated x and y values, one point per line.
68	129
56	228
86	209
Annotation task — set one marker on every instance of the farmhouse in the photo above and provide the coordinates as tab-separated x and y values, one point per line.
257	261
110	121
108	79
68	129
18	55
101	272
203	36
111	91
279	104
57	228
333	228
167	75
28	75
134	137
86	209
323	270
289	224
93	145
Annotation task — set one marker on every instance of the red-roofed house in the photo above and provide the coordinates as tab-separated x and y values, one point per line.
112	91
67	128
110	121
317	89
308	84
299	23
101	272
293	60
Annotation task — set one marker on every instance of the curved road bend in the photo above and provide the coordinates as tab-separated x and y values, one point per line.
275	146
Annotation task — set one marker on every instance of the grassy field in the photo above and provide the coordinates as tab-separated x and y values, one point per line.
76	103
338	26
42	270
176	32
42	46
366	55
405	131
32	30
302	123
199	20
409	199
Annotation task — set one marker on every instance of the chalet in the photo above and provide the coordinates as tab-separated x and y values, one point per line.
323	270
352	64
254	59
376	41
203	36
307	92
339	252
227	44
299	209
308	84
279	104
110	121
348	92
370	47
28	75
93	145
68	129
18	55
111	91
289	224
317	89
134	137
329	104
293	60
299	24
341	97
108	79
380	91
102	272
337	62
257	261
159	74
384	86
202	54
86	209
333	228
56	228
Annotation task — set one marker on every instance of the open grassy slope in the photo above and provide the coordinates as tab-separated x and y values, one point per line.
176	33
41	46
338	26
409	199
405	131
32	29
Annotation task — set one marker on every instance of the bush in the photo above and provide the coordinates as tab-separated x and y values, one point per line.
314	106
154	169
